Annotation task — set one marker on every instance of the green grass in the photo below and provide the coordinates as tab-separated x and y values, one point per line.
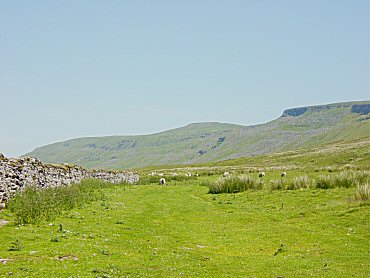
363	192
180	230
240	183
345	155
145	179
313	222
234	184
34	205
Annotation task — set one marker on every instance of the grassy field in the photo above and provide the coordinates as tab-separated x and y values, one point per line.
181	230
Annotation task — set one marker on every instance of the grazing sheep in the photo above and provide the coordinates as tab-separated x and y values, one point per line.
262	174
162	181
226	174
2	205
189	174
283	174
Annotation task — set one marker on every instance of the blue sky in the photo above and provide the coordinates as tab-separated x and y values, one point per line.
92	68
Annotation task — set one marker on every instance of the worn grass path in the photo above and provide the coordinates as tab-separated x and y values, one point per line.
181	231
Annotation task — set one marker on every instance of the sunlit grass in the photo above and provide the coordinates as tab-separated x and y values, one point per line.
240	183
34	205
182	231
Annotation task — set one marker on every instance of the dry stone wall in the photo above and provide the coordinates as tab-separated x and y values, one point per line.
16	174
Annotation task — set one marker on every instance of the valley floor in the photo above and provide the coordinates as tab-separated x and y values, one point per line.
180	230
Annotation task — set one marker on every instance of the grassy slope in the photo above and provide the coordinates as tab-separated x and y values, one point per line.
354	154
183	145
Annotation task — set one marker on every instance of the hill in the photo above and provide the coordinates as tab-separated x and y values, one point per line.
209	142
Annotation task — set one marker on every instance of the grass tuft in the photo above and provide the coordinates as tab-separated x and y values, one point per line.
278	184
234	184
346	179
300	182
34	205
16	246
363	192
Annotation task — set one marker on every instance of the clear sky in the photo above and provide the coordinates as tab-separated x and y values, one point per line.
92	68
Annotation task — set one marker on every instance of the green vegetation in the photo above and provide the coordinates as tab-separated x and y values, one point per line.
212	142
312	222
234	184
180	230
34	204
347	179
363	192
144	179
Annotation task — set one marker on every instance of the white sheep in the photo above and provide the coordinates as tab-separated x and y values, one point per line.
283	174
262	174
226	174
162	181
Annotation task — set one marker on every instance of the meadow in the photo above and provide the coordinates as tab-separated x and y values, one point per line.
182	229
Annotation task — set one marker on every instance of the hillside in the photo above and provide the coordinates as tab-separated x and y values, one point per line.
203	142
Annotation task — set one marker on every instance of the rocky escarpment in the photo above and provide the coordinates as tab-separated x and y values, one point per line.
361	109
294	112
16	174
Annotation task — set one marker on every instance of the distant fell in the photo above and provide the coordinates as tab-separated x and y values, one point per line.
308	126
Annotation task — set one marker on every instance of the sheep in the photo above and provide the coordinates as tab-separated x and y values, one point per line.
226	174
162	181
262	174
283	174
189	174
2	205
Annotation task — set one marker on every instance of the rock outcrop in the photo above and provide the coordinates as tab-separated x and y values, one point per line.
294	112
361	109
16	174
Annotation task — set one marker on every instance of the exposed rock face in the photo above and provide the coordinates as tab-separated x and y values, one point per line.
16	174
361	109
294	112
